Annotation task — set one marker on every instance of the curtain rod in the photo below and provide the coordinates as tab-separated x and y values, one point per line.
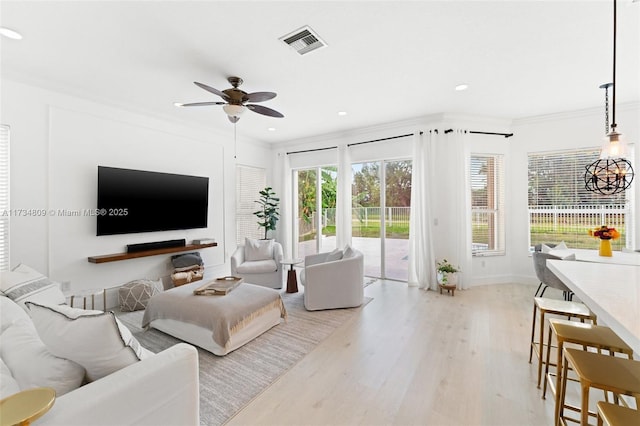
353	144
312	150
381	140
506	135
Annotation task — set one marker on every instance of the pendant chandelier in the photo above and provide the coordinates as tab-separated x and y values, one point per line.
611	173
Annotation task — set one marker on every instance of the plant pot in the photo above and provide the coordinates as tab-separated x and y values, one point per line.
605	248
447	278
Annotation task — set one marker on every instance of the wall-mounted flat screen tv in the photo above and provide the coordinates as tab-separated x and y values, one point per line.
133	201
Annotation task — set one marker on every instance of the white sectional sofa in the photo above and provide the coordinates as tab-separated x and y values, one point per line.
158	389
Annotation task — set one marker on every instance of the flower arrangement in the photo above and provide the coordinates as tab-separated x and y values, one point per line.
604	233
445	268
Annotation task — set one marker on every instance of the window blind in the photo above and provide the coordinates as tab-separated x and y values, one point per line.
249	182
4	198
561	208
487	204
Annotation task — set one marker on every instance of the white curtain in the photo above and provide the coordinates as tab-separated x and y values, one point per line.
422	272
461	209
343	202
286	212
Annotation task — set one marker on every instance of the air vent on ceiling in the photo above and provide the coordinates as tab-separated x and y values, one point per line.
304	40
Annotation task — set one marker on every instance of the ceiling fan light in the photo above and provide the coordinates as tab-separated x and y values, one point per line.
234	110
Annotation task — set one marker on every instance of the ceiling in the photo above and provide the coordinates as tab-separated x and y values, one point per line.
386	61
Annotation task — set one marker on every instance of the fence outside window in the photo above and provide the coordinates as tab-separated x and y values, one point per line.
571	223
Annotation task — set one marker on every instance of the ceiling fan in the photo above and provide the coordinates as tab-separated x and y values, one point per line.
235	100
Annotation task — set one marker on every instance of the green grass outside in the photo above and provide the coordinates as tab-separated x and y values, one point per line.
576	236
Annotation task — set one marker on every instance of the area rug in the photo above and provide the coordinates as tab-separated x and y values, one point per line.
228	383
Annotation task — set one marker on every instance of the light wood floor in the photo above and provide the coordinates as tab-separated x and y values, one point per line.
414	357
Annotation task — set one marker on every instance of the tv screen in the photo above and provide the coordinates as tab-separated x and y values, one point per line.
132	201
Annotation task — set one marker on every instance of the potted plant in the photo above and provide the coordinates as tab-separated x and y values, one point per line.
445	271
268	214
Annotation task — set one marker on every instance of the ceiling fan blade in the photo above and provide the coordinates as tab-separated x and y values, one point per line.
264	110
233	118
201	104
212	90
258	97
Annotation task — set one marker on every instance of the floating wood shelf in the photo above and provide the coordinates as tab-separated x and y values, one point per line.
124	256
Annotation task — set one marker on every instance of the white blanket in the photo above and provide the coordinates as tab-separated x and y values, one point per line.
223	315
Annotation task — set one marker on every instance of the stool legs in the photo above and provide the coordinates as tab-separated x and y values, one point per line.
533	333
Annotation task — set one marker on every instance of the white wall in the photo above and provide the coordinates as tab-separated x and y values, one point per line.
57	142
574	130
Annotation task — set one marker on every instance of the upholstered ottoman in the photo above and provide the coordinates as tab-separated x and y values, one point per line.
134	295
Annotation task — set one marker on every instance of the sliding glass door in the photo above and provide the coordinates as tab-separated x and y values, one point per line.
381	192
316	210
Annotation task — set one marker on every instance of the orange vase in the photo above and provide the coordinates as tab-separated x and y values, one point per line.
605	248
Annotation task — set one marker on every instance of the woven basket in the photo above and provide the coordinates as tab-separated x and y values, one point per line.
186	277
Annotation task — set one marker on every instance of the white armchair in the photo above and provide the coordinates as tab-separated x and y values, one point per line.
332	284
258	262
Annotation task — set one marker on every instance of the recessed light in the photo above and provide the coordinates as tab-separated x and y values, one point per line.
342	113
271	129
461	87
10	33
178	104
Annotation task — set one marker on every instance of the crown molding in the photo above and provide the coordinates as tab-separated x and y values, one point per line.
566	115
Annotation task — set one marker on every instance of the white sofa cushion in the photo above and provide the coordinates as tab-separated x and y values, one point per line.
24	284
10	312
32	365
257	249
8	385
257	267
334	255
348	252
94	339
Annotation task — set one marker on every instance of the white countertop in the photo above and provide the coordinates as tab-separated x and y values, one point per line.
618	258
611	291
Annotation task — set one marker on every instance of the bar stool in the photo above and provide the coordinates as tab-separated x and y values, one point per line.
586	335
557	307
616	415
621	376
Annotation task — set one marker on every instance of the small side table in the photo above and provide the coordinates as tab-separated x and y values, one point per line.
292	278
24	407
451	288
85	294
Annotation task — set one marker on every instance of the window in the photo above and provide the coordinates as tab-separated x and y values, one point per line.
4	198
561	209
487	205
249	182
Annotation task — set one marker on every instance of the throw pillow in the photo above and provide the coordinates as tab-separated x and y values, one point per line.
334	255
8	385
348	252
561	246
24	284
32	365
96	340
257	249
10	312
134	295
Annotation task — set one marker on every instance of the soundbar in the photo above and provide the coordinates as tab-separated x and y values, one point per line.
134	248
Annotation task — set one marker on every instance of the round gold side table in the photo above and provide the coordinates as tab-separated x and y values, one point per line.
24	407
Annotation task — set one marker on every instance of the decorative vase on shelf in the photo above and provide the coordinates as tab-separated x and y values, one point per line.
605	248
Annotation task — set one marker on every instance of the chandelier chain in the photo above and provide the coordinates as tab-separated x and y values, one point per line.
606	109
